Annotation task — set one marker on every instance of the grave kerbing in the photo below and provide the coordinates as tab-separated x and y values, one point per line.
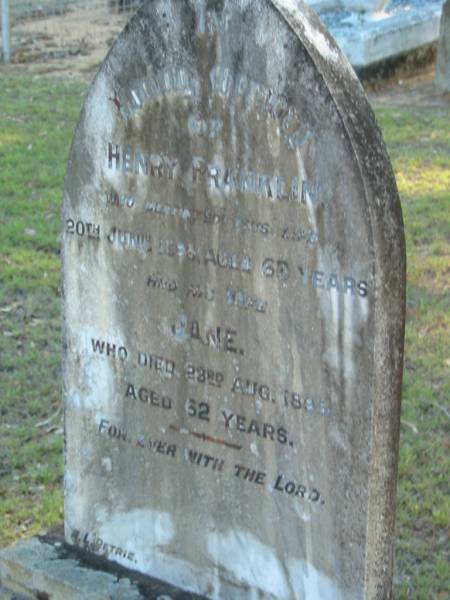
443	57
234	279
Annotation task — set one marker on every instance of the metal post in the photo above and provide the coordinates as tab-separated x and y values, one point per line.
5	32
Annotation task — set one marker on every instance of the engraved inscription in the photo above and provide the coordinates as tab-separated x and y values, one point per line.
91	542
246	92
130	240
138	163
218	337
147	396
239	386
250	426
229	180
82	228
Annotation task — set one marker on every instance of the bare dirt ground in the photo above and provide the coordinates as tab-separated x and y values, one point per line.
416	89
75	43
72	44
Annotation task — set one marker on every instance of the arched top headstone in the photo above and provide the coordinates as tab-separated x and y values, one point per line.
234	278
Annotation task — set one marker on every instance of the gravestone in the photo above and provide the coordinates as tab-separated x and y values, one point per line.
233	282
443	57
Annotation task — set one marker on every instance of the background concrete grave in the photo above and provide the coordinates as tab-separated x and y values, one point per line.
371	37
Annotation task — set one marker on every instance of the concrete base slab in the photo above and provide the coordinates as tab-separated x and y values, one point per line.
367	6
46	568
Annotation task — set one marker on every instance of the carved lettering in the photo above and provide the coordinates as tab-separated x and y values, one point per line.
218	337
130	240
346	284
109	349
254	427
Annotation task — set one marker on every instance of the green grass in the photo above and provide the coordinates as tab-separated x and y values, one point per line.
419	144
36	121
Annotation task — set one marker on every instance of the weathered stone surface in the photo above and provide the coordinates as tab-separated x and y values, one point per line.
443	59
233	271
